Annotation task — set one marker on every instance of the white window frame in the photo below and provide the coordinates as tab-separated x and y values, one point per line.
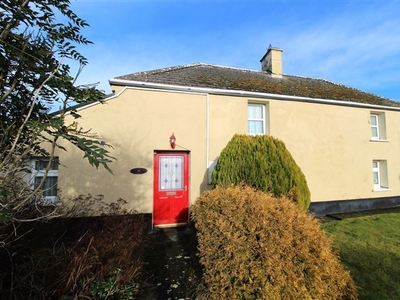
264	111
378	125
380	175
52	173
374	121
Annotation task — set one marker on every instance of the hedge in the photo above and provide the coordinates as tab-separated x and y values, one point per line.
264	163
252	246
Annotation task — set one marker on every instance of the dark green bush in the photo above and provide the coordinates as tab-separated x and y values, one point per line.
252	246
264	163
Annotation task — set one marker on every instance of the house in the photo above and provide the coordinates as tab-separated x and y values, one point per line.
168	127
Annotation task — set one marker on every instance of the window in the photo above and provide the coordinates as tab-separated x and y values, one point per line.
256	119
379	173
378	126
49	187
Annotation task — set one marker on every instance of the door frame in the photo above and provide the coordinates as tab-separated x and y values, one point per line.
155	178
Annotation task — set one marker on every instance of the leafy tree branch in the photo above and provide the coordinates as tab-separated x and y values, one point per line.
38	40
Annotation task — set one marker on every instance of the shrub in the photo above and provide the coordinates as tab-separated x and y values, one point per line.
104	263
264	163
254	247
78	258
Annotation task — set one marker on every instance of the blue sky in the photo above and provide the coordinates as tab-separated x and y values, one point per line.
355	43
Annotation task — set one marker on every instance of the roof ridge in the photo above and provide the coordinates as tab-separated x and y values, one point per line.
162	70
190	65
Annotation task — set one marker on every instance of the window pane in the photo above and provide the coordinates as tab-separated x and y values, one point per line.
376	178
256	127
374	120
171	173
255	112
49	187
374	132
41	164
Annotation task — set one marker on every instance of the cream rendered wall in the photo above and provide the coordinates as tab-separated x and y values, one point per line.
136	123
228	115
332	146
330	143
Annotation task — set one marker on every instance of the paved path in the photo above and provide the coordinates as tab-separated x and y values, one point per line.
170	267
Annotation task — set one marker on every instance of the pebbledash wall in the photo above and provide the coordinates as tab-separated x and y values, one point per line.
330	140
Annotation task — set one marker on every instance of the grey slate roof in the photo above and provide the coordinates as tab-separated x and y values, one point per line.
219	77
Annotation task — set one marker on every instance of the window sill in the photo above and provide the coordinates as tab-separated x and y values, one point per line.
375	140
381	190
50	201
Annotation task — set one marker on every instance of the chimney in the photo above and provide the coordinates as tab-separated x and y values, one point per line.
271	62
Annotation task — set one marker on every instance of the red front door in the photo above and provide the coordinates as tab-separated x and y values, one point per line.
171	202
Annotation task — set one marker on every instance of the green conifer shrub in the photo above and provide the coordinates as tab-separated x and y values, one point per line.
252	246
264	163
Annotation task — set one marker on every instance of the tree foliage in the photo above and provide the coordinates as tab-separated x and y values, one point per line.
263	162
38	42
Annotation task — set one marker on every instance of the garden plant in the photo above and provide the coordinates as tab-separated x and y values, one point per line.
254	246
264	163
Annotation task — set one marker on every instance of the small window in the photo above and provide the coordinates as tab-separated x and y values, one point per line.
380	175
256	119
49	187
374	127
378	126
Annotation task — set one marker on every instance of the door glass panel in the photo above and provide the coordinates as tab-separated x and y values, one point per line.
171	173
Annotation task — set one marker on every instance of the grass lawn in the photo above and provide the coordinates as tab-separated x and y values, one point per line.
370	248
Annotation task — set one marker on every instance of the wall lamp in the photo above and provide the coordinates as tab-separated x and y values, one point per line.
172	140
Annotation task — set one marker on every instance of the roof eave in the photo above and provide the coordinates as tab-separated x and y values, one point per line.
241	93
